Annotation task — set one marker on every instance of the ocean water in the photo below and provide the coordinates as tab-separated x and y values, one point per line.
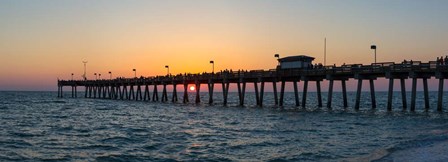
37	126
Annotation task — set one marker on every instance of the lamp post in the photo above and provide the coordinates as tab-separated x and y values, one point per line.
135	73
278	57
99	76
213	66
374	49
110	75
72	76
167	69
96	77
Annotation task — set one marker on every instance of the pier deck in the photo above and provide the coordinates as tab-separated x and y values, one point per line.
139	88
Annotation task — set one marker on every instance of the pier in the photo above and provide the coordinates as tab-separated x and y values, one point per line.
139	88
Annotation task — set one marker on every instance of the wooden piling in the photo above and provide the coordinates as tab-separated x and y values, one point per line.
146	96
261	93
426	95
164	93
198	89
155	94
274	87
330	93
319	94
257	97
344	93
390	94
174	96
210	86
185	98
296	93
372	93
413	93
305	89
358	94
282	92
440	95
403	93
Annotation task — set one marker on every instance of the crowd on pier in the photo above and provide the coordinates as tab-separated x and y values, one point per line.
442	60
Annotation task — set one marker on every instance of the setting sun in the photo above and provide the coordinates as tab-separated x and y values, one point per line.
192	88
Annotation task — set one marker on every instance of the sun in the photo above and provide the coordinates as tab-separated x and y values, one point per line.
192	88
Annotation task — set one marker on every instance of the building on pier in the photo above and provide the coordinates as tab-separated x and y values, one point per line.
296	62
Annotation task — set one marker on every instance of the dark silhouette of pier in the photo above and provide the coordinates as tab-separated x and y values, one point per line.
139	88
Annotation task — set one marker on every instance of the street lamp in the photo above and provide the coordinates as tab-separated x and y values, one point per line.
278	57
374	49
213	66
167	70
135	73
72	76
110	75
96	77
99	75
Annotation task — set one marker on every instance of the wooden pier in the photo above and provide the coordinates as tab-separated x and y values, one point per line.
139	88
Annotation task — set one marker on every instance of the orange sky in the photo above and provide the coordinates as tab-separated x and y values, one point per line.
40	42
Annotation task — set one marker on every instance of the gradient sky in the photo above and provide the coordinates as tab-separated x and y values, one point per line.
41	41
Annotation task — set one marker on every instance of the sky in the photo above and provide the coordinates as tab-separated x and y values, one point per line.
41	41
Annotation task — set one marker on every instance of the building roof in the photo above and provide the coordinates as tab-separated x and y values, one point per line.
296	58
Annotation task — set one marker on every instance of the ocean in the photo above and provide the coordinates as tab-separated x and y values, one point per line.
38	126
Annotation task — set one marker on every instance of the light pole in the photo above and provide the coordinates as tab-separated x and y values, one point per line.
374	49
167	69
110	75
85	65
135	73
278	57
213	66
72	76
99	76
96	77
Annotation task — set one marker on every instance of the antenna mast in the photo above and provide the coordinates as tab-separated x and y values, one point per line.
325	51
85	65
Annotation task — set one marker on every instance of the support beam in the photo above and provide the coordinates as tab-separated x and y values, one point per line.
282	92
86	90
210	92
305	90
390	94
440	95
319	94
426	95
330	93
185	98
174	96
414	93
155	94
296	93
131	93
358	94
403	93
344	93
146	96
198	89
243	93
224	93
274	87
257	97
261	93
164	93
139	92
372	93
